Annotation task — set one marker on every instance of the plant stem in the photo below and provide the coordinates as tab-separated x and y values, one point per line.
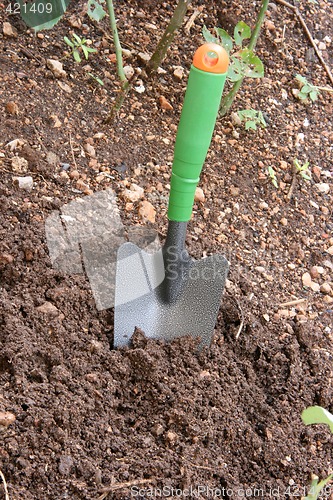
168	35
117	45
228	99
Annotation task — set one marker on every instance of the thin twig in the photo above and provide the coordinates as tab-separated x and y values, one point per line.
4	485
120	486
241	317
310	37
292	303
193	17
72	150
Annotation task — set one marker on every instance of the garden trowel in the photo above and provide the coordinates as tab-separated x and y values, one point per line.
167	294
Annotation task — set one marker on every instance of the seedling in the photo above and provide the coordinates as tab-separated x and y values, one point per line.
244	62
272	175
317	415
302	170
252	118
308	90
78	44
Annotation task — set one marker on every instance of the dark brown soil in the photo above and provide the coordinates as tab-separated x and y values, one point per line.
95	423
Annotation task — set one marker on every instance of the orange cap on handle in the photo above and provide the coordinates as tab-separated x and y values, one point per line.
212	58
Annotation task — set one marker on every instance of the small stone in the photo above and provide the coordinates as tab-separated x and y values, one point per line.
314	273
92	377
269	25
9	30
326	288
6	258
157	430
266	317
306	279
323	187
284	221
147	212
129	71
260	269
143	56
234	191
65	87
65	465
90	150
178	72
12	108
164	103
19	165
330	250
52	159
74	175
171	437
6	419
134	193
82	186
315	287
316	171
322	46
24	182
56	67
199	195
57	123
263	205
49	309
236	119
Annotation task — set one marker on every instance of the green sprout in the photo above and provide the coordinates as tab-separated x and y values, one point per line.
244	62
317	415
77	45
252	118
302	170
272	175
307	89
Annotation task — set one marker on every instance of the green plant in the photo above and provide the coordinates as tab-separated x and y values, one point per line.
317	415
243	62
252	118
302	170
272	176
307	89
78	44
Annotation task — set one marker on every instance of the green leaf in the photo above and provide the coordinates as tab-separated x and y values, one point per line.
226	40
85	51
76	56
208	36
98	80
250	125
302	96
235	70
313	95
90	50
301	79
42	14
95	10
315	487
77	38
241	32
317	415
69	43
254	67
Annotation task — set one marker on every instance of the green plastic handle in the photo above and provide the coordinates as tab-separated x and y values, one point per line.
195	130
